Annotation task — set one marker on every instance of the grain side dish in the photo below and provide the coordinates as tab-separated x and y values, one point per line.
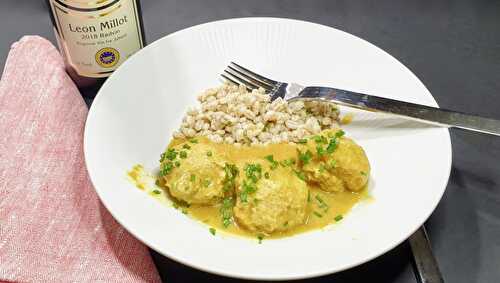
230	114
248	166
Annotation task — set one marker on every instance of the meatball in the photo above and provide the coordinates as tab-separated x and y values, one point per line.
278	203
347	167
198	178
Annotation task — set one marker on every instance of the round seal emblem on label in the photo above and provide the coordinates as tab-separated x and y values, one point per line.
107	57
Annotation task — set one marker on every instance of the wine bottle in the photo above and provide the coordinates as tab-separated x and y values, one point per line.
95	37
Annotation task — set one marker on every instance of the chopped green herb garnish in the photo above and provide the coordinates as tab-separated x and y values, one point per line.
322	203
332	145
175	205
192	177
274	163
302	141
322	168
253	172
171	154
338	217
206	183
177	164
162	157
320	139
363	173
212	231
183	154
166	168
305	157
320	150
300	175
288	162
248	188
266	175
209	153
186	146
226	210
285	224
339	134
156	192
193	141
157	182
317	214
319	199
332	164
308	196
184	211
231	171
260	238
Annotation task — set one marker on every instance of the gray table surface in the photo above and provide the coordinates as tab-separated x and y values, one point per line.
452	46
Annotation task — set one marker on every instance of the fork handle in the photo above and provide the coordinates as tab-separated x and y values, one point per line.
422	113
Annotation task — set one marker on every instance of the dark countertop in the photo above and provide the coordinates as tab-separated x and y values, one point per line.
452	46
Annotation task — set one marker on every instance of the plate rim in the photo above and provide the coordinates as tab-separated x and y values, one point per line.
304	274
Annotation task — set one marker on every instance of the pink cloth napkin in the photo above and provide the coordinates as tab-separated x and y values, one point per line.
53	227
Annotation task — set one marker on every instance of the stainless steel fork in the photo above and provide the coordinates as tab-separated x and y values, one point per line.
238	74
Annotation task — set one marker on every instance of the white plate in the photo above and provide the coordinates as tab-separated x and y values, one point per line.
134	114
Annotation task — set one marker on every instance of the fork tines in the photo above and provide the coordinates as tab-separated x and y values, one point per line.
240	75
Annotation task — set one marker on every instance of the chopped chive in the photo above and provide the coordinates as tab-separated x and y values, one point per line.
320	150
184	211
175	205
231	171
274	163
193	141
212	231
332	145
162	157
166	168
206	183
317	214
363	173
288	162
156	192
183	154
302	141
193	177
266	175
226	211
285	224
320	139
253	172
157	182
338	217
300	175
305	157
308	196
260	238
177	164
170	154
333	164
339	134
269	158
322	168
319	199
186	146
209	153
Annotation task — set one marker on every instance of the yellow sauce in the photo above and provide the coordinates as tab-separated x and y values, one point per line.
339	203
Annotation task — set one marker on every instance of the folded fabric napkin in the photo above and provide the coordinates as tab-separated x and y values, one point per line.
52	226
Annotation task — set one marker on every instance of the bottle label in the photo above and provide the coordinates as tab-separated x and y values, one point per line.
97	38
